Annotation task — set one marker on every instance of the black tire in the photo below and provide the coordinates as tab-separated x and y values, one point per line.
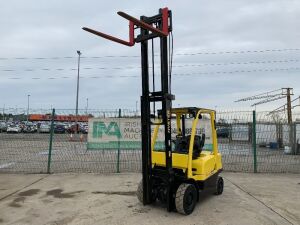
139	191
219	186
186	198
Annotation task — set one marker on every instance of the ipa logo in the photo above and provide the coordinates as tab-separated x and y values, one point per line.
100	128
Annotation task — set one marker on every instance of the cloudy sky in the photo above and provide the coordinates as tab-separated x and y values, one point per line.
223	51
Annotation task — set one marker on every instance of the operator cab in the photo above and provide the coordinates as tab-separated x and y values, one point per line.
194	143
182	139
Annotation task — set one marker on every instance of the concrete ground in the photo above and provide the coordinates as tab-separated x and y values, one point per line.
83	199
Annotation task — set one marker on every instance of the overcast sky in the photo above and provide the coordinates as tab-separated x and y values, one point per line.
46	34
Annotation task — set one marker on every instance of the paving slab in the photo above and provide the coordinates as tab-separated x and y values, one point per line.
10	183
83	199
279	192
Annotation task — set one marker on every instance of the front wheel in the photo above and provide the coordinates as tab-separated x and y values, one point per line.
219	186
140	191
186	198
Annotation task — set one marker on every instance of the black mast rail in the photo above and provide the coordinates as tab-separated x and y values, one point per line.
157	26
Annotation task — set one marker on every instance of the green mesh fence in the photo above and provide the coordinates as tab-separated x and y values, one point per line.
277	144
234	140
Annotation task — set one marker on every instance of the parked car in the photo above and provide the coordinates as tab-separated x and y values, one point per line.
29	129
35	127
59	128
44	128
223	132
73	129
66	125
85	129
3	127
13	129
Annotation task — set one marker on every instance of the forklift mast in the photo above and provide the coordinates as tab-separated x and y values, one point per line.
157	26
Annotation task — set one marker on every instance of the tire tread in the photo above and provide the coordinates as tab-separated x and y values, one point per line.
216	188
180	198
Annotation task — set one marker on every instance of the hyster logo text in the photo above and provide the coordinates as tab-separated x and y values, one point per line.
100	128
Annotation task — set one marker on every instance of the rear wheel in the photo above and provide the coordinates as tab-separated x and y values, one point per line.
219	186
186	198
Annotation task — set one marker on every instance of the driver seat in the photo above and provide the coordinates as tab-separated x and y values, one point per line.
198	145
182	145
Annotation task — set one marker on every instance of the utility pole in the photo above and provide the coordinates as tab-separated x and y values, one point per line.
136	108
290	121
77	93
273	96
289	105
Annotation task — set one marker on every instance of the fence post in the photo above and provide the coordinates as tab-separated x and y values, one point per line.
118	159
295	145
296	140
51	140
254	141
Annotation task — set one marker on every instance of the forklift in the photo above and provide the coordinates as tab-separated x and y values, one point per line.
177	164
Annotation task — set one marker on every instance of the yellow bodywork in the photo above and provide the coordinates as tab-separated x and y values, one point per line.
201	168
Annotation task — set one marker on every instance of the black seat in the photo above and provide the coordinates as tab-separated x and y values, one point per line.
198	144
182	144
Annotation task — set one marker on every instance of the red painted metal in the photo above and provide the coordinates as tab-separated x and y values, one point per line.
111	38
131	33
61	118
143	24
134	21
165	24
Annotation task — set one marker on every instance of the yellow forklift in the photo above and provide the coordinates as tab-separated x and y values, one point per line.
176	166
195	165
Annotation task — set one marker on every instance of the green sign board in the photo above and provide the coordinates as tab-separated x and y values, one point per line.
125	133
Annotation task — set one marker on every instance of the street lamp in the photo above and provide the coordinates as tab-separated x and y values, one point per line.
87	106
28	107
136	108
79	53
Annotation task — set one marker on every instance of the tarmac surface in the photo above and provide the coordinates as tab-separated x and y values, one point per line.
83	199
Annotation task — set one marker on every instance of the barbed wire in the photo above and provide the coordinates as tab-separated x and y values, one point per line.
267	94
136	56
138	67
175	74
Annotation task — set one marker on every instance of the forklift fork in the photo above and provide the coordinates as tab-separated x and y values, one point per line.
138	23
